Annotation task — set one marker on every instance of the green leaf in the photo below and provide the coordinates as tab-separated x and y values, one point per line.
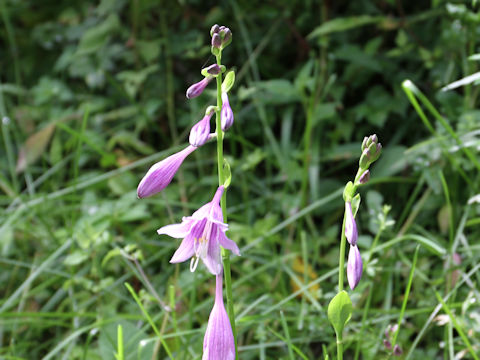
340	311
228	81
342	24
75	258
355	204
34	147
94	38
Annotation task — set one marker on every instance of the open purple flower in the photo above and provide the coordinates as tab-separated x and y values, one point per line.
203	233
226	114
200	132
350	225
161	174
197	88
354	266
218	343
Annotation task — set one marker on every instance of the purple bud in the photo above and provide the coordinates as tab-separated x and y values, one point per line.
161	174
354	267
227	37
197	88
213	69
200	132
227	114
216	41
397	350
364	143
214	30
350	225
218	343
364	177
387	344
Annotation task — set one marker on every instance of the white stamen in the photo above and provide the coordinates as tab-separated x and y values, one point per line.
194	263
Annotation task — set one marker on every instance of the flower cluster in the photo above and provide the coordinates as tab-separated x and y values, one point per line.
204	232
371	150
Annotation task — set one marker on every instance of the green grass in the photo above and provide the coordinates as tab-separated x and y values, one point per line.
92	94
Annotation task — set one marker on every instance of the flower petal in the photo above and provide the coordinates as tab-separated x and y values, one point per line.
185	251
228	244
177	231
213	259
354	267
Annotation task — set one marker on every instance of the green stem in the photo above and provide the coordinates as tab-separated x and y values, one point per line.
223	203
339	346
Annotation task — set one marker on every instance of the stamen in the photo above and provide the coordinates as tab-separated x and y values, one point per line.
194	263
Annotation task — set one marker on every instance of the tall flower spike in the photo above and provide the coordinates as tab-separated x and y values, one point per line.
354	266
200	132
203	233
197	88
218	343
227	114
161	174
350	225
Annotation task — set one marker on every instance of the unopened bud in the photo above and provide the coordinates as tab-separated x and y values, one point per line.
397	350
216	41
227	38
364	159
200	132
387	344
213	69
197	88
364	177
364	143
214	30
226	114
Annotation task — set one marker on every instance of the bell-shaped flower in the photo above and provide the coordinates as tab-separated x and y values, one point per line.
200	132
226	114
218	343
161	174
203	233
350	225
354	266
197	88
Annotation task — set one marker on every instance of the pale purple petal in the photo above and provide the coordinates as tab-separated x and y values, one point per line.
162	173
354	266
228	244
185	251
350	225
200	132
197	88
226	114
213	258
218	343
177	231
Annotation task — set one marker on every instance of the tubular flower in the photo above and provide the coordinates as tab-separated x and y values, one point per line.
200	132
226	114
203	233
354	266
350	225
161	174
218	343
197	88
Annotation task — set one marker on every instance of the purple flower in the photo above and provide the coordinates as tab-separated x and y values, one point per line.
161	174
354	266
203	233
227	114
363	179
350	225
218	343
216	41
197	88
200	132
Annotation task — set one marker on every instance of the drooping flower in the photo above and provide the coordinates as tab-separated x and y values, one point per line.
203	233
197	88
350	225
226	114
218	343
354	266
200	132
161	174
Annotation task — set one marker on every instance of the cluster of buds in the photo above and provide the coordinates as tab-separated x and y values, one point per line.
221	38
371	150
387	342
204	232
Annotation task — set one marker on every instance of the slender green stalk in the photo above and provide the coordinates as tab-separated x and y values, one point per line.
341	259
339	346
120	352
223	203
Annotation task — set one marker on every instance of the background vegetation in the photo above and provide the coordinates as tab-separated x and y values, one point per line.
92	94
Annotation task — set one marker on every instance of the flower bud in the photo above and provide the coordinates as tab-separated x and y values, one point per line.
364	161
197	88
213	69
226	114
216	41
227	37
214	30
200	132
351	232
364	177
354	267
364	143
397	350
387	344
